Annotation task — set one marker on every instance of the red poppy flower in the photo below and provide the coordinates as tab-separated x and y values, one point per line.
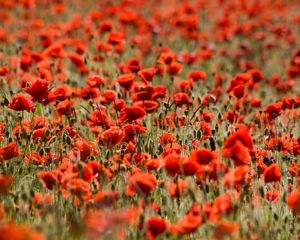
272	196
154	227
50	178
65	107
239	91
239	153
115	38
133	129
149	106
153	164
61	93
223	205
147	74
159	92
105	26
111	137
295	169
174	68
33	157
94	81
98	168
166	138
5	183
21	102
41	199
126	80
217	169
19	232
89	93
205	129
109	95
143	92
293	201
225	229
256	74
173	164
184	85
290	103
2	125
274	109
272	173
11	150
141	183
4	70
236	176
86	172
106	198
202	156
166	57
197	75
256	102
79	188
176	164
78	61
133	65
242	135
55	50
207	116
177	189
129	114
181	99
85	148
99	118
188	224
38	89
39	133
237	146
239	79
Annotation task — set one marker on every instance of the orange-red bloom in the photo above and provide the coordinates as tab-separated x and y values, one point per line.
33	157
272	173
293	201
38	89
126	80
5	183
111	137
21	102
141	183
94	81
188	224
85	148
147	74
12	231
181	99
225	229
11	150
106	198
65	107
197	75
237	146
149	106
50	178
239	91
129	114
176	164
202	156
236	176
154	227
177	189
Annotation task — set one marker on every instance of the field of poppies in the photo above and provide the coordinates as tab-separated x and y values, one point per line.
159	119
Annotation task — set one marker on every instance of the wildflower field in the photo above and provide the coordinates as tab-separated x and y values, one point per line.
158	119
